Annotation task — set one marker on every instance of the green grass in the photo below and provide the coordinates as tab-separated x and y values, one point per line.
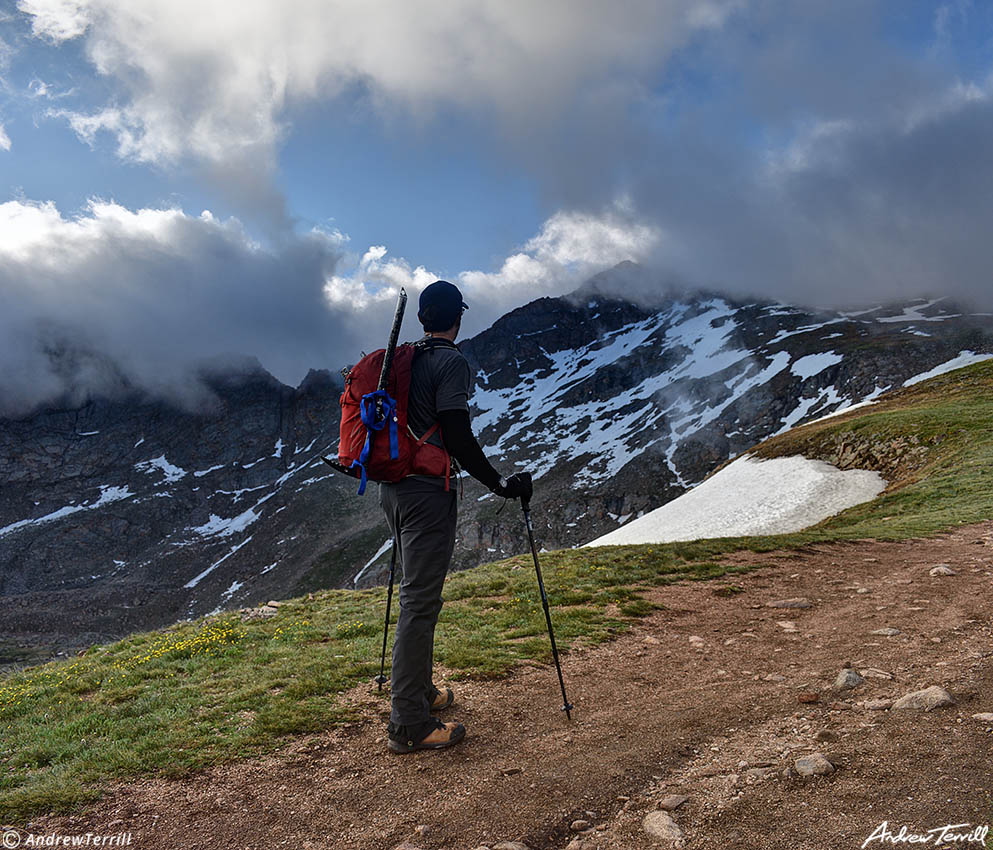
180	699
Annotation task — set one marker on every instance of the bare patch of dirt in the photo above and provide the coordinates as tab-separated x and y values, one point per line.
700	699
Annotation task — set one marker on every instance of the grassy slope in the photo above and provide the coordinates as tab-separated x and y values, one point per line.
179	699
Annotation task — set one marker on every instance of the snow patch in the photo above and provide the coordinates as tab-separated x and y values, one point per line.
235	585
753	497
219	527
108	494
314	480
965	358
813	364
193	582
824	398
913	314
845	408
379	552
171	473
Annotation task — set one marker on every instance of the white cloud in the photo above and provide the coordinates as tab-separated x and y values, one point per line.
571	247
4	139
57	20
219	79
142	298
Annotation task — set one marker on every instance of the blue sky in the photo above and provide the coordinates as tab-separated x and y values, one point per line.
821	152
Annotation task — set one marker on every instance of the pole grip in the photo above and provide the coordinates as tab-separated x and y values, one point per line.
526	500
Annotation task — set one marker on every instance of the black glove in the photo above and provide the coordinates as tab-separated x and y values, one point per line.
518	486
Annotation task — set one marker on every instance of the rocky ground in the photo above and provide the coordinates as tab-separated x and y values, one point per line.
764	718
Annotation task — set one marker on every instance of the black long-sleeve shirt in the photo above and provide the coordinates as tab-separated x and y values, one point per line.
439	392
463	446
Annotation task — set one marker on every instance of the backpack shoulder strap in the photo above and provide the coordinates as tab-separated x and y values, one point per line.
431	343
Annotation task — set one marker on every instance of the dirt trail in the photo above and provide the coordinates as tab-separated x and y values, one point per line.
716	718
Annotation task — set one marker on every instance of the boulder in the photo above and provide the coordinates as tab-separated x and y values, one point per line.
925	700
815	764
660	825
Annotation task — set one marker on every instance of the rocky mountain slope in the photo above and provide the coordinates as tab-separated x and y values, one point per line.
129	514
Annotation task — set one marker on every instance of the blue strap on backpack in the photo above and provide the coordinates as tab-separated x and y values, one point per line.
367	408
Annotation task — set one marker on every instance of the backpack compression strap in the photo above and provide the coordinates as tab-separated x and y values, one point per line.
367	408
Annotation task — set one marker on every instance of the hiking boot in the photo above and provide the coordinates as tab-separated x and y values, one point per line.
442	699
432	735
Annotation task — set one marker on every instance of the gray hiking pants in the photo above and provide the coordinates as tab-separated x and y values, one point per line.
421	515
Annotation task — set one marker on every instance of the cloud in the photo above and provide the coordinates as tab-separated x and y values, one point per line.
219	85
815	152
569	248
4	139
116	300
847	210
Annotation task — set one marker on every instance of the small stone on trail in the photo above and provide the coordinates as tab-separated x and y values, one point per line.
579	825
826	735
580	844
773	677
886	632
848	679
794	602
671	802
873	673
660	824
941	570
878	704
813	765
510	845
758	773
927	699
696	640
985	717
509	771
787	625
808	697
422	829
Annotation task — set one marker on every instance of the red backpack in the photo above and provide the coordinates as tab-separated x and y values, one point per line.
385	449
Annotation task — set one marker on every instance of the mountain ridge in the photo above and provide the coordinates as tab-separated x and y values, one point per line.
121	515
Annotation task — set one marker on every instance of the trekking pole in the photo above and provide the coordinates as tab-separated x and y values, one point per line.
526	507
381	678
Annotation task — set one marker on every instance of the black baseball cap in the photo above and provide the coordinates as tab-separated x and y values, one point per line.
440	306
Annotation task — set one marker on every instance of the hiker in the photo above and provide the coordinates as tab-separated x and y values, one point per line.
421	511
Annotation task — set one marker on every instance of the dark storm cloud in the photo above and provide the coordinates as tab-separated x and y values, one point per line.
824	153
116	299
